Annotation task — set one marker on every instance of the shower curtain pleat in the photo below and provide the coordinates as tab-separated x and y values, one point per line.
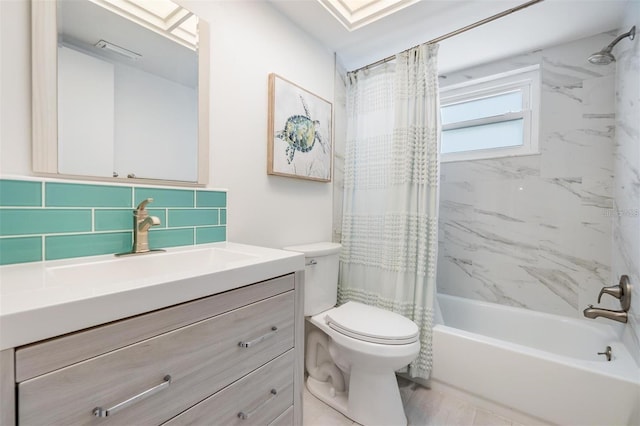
390	217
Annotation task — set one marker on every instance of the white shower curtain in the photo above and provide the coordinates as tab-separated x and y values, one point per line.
390	211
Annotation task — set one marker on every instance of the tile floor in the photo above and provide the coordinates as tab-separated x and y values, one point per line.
423	407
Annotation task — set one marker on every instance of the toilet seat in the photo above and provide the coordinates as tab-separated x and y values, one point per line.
371	324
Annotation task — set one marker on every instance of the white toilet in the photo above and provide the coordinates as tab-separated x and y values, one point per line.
352	356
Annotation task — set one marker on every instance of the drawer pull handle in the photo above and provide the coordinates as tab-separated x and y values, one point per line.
102	412
245	416
250	343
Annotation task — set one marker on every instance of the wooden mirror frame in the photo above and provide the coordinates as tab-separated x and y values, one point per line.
44	74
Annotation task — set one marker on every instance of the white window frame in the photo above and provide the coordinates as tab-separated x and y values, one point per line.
526	80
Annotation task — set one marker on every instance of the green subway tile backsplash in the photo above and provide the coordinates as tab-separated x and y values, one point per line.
65	246
211	199
80	195
20	193
161	238
113	220
85	219
166	197
211	234
44	221
192	217
20	250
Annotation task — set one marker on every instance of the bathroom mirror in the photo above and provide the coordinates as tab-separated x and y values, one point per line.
120	91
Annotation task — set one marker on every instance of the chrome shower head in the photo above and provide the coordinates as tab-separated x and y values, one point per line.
605	57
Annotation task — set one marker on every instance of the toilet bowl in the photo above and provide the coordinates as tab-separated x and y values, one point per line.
354	349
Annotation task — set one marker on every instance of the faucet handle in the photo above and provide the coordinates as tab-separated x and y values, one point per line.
144	203
614	290
621	291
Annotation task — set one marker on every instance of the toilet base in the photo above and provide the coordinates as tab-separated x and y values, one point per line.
325	392
373	399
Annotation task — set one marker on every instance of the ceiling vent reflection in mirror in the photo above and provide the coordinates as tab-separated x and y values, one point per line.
103	44
162	16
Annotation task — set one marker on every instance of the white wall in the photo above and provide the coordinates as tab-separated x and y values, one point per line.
85	129
156	126
135	122
249	40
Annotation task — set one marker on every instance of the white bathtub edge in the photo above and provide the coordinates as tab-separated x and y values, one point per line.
521	381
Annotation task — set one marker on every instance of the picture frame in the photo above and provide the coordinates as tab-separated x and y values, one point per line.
300	132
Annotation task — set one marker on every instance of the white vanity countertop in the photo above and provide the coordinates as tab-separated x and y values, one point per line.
41	300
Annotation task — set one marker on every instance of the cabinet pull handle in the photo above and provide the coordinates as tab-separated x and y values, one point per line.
245	416
102	412
250	343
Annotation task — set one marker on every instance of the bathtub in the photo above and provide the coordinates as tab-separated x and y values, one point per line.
545	366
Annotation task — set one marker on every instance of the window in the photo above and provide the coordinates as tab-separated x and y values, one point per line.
491	117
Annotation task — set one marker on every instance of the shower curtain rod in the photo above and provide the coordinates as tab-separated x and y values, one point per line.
456	32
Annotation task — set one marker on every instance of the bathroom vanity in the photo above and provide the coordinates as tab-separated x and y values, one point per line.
218	343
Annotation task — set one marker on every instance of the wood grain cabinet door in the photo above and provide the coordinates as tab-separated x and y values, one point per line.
200	359
257	399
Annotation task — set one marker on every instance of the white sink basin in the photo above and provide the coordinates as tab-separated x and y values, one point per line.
148	266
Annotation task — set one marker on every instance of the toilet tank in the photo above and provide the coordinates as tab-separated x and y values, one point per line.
320	275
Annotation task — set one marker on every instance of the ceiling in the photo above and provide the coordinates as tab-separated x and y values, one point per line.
540	25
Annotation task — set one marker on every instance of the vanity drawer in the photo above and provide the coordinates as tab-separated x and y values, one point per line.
201	359
284	419
256	399
44	357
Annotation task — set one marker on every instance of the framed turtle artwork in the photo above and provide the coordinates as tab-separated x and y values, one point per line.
300	132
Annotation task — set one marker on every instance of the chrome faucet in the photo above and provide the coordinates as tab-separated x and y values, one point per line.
142	221
621	291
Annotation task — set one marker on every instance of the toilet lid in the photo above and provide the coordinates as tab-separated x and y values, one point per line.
372	324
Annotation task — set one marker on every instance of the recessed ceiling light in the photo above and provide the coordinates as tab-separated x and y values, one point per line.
354	14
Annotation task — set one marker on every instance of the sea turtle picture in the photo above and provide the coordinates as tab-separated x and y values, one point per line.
300	139
300	133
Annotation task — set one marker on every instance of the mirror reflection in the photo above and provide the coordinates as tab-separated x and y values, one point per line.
127	89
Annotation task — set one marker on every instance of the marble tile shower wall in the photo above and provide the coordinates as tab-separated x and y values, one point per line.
626	192
53	219
535	231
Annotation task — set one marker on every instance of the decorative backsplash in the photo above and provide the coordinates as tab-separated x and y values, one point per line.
44	219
